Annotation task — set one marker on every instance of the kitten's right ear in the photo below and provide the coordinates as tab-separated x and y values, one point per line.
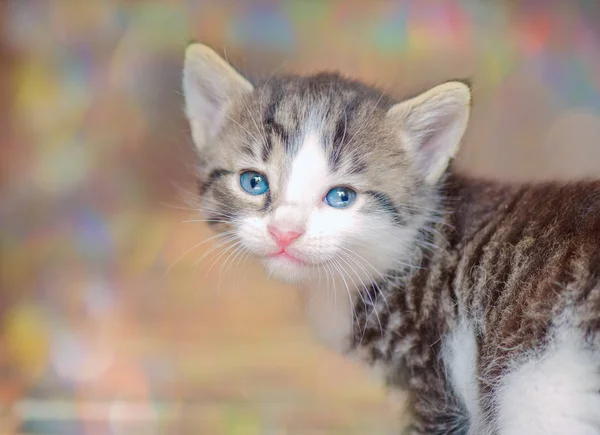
209	86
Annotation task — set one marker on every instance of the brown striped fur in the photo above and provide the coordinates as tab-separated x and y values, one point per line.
512	259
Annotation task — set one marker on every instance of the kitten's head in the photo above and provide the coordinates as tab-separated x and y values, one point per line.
318	176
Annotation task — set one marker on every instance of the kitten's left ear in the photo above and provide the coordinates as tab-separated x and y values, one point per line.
432	125
209	86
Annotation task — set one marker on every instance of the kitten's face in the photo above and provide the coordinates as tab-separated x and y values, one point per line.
311	175
311	181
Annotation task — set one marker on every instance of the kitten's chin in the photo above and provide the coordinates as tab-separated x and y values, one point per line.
286	270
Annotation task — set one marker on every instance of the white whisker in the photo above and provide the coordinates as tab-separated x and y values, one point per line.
221	243
223	252
216	236
338	268
362	284
350	255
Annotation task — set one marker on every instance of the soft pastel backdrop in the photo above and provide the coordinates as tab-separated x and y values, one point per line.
110	323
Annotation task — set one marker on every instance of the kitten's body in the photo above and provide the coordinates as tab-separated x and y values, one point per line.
481	299
502	316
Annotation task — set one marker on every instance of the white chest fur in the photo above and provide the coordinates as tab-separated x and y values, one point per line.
555	393
329	310
459	354
331	318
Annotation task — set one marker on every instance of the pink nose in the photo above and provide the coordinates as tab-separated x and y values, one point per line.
284	238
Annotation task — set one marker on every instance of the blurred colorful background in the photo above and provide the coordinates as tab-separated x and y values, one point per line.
114	318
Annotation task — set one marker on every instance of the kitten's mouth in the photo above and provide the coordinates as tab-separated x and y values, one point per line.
283	255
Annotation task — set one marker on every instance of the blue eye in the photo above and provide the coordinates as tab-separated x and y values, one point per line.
254	183
340	197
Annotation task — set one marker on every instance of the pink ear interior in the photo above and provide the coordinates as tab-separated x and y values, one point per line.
432	126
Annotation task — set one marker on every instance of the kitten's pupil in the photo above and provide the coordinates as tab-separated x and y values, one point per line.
255	181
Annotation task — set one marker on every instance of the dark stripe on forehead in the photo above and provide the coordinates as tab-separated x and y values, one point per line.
274	131
387	205
277	129
341	129
248	150
357	165
268	120
341	135
212	177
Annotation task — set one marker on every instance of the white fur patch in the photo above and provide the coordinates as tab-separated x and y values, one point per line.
309	171
459	354
555	393
329	315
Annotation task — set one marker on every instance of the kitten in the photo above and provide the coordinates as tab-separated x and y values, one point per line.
481	300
